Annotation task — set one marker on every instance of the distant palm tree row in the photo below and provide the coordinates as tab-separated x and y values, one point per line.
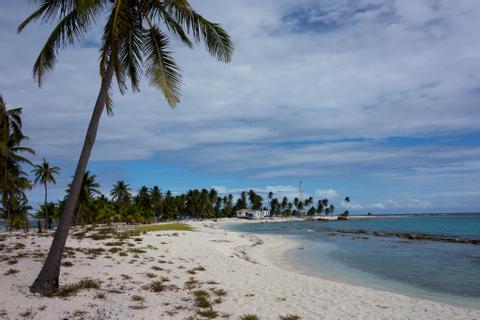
151	204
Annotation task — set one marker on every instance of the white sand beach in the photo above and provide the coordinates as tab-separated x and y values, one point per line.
246	267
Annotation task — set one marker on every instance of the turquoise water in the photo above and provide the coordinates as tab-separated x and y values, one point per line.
441	271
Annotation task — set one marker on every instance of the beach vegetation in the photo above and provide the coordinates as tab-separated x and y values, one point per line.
157	286
290	317
26	314
137	307
250	317
100	295
67	264
164	227
138	298
191	283
201	299
219	292
210	314
11	271
72	289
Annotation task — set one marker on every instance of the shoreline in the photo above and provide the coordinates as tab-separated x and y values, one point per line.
276	255
209	259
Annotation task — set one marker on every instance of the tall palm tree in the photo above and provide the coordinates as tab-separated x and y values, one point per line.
11	158
10	122
44	174
133	38
121	194
346	202
156	198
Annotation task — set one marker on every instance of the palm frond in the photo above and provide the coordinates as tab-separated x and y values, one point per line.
161	13
119	23
71	28
161	67
216	39
131	56
109	105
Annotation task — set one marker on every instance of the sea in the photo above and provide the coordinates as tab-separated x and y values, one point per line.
441	271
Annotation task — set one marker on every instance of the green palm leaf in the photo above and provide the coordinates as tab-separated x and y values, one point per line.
161	67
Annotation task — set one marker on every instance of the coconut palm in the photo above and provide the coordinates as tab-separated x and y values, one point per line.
11	156
134	39
156	198
44	174
121	194
89	188
10	123
346	202
332	209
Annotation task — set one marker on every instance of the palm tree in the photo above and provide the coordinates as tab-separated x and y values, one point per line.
11	137
44	174
88	189
346	201
121	194
132	39
332	209
156	198
10	122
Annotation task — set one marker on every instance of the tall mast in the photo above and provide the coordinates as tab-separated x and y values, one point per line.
301	195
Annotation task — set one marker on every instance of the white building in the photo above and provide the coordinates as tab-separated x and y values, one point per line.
252	214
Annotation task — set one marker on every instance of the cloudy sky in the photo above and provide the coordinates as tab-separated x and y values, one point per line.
377	100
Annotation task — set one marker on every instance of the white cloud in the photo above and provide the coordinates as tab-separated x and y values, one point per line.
328	193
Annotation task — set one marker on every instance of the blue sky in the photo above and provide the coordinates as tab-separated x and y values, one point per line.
377	100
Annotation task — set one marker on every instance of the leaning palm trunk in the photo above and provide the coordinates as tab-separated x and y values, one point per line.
47	280
45	206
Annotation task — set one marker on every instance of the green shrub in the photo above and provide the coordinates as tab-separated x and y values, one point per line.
250	317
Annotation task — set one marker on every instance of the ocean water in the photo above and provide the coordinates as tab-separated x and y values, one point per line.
440	271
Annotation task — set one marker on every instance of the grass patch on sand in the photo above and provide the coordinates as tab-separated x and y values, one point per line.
138	298
290	317
157	286
71	289
210	314
201	299
250	317
11	271
67	264
164	227
100	295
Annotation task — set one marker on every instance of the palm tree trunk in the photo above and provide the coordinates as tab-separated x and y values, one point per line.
7	199
47	280
9	212
46	209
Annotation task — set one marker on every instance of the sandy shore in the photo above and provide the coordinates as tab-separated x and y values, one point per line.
240	272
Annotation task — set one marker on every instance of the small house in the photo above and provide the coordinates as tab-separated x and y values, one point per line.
252	214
